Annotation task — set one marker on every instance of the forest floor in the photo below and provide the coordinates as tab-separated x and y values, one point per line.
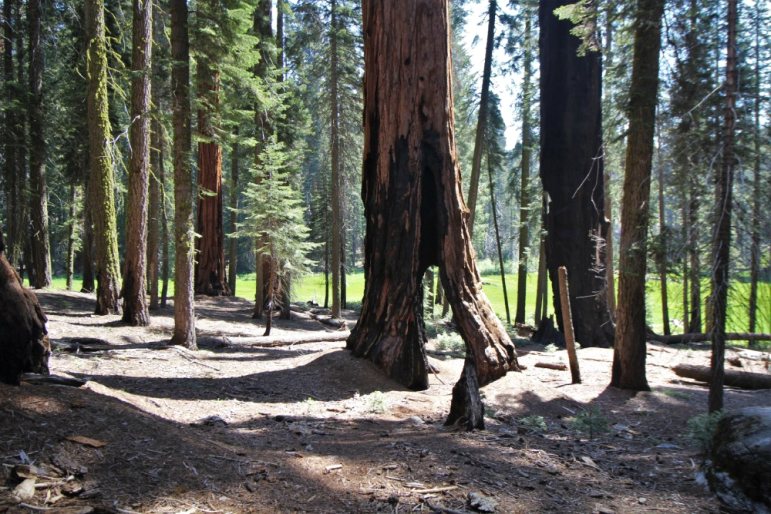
241	426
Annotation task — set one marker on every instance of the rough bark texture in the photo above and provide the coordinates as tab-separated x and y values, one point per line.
24	345
184	309
572	174
134	293
210	278
629	350
87	255
38	199
413	205
721	241
484	100
757	201
101	181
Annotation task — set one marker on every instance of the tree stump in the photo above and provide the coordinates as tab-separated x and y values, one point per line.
467	410
24	345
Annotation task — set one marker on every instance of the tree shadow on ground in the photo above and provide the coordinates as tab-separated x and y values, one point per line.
333	376
309	464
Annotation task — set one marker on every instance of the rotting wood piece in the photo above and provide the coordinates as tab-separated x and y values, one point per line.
24	343
551	365
741	379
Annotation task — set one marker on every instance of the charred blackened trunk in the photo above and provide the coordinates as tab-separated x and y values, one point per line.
572	174
413	205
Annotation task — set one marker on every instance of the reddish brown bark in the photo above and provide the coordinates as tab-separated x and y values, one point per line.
210	277
413	205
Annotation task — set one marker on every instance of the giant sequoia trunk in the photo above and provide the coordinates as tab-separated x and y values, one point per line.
414	210
101	201
134	294
24	345
210	278
629	349
572	174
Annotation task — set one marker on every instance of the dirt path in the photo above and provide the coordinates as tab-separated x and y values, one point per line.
239	427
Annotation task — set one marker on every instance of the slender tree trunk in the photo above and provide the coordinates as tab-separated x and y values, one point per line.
413	205
233	246
87	255
756	192
337	208
686	270
71	234
164	233
498	240
476	162
41	252
154	209
184	309
662	250
722	236
572	174
22	177
694	322
541	292
134	290
629	350
101	180
326	274
527	148
263	29
271	274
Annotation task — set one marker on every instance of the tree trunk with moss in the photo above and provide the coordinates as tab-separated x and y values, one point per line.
101	180
630	348
134	294
414	210
184	309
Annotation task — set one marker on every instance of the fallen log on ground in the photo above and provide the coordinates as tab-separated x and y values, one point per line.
268	342
741	379
551	365
37	379
698	338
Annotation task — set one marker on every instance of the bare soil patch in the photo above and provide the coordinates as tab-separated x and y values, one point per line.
241	427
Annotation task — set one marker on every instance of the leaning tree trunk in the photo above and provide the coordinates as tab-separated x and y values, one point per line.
476	160
38	205
721	241
572	174
101	180
413	204
630	348
134	294
184	309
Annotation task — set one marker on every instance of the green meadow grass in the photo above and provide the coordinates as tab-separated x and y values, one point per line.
311	288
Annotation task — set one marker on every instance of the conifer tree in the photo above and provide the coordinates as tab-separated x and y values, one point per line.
101	180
